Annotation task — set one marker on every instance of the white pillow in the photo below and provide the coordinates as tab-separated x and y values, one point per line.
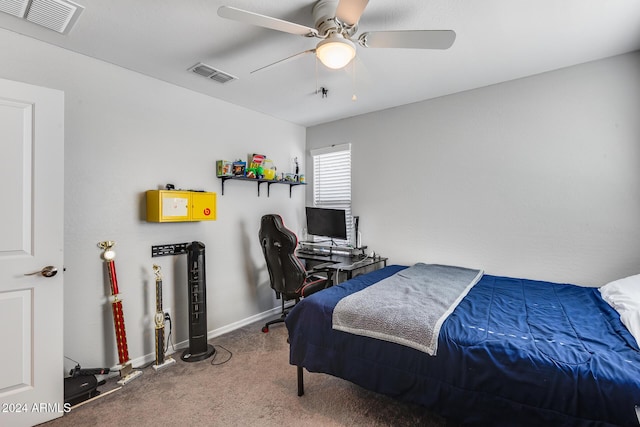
631	319
624	296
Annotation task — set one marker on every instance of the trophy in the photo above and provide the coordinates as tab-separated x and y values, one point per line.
161	361
127	373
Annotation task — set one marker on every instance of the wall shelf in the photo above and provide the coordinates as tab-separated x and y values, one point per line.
260	181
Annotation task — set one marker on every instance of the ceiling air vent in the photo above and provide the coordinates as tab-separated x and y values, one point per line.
14	7
57	15
211	73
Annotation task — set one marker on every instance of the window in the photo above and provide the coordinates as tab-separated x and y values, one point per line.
332	181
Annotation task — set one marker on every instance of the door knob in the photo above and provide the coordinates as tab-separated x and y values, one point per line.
48	271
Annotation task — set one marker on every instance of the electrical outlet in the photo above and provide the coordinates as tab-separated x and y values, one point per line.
167	314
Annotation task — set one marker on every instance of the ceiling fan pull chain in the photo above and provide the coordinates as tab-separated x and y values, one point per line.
354	97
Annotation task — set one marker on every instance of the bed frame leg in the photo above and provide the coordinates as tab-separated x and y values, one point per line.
300	381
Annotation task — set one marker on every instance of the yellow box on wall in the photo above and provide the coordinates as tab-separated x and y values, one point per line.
203	206
180	206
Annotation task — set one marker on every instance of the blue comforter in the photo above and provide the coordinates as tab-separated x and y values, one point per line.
514	352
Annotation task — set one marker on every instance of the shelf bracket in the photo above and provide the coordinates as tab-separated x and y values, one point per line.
260	181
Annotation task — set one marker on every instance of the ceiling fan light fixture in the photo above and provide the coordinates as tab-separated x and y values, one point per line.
335	51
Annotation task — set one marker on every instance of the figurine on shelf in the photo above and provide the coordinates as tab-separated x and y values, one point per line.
257	172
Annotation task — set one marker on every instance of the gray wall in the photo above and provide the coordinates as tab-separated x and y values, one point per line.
127	133
536	178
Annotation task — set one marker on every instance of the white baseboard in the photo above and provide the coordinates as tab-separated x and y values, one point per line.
147	358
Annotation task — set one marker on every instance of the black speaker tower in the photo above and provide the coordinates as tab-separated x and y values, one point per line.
198	349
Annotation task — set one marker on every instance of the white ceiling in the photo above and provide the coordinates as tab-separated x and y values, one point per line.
497	40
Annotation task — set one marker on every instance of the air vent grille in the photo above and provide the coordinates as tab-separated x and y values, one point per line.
211	73
14	7
54	15
57	15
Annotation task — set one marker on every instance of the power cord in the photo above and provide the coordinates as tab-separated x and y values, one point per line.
167	317
371	255
78	371
216	355
74	361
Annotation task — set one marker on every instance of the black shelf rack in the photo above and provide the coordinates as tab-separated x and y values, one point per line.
260	181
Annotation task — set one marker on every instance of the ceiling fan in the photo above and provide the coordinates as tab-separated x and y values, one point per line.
336	23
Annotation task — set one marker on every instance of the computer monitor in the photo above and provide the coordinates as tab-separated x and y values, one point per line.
325	222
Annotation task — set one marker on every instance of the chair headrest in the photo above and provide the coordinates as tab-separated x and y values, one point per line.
272	227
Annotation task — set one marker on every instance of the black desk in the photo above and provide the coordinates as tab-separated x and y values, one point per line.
343	267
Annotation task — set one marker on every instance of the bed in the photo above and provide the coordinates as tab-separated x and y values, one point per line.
512	350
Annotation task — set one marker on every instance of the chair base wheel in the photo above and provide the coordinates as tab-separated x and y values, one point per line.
265	329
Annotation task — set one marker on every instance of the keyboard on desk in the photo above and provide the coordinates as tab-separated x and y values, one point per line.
314	253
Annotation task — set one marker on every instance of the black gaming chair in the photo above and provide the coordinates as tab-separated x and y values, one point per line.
289	278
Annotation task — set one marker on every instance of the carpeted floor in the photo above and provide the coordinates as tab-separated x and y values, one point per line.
256	387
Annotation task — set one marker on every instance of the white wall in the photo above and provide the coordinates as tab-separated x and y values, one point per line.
125	134
536	178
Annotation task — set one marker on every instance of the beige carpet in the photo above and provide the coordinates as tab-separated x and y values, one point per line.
256	387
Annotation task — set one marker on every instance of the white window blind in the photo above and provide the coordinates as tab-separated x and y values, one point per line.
332	181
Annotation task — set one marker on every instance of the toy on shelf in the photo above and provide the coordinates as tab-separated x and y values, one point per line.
239	167
269	169
255	169
224	168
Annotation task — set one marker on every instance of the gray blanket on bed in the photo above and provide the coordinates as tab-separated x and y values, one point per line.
407	308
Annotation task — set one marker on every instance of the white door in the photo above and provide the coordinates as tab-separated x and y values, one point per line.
31	238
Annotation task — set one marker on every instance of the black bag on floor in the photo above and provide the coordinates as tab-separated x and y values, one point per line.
80	388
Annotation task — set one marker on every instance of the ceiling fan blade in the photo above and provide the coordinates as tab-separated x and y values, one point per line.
287	59
349	11
416	39
251	18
